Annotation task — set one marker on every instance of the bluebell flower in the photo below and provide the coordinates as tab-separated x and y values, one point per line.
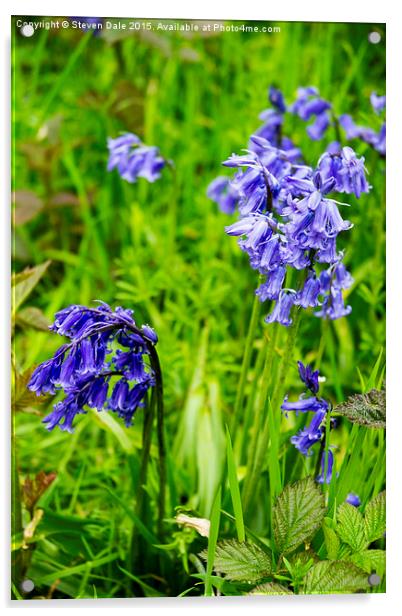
224	193
311	434
133	159
353	499
282	308
308	295
377	102
318	128
304	405
106	350
330	464
347	169
276	99
366	134
309	377
308	104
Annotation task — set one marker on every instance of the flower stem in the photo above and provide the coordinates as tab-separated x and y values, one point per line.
254	457
260	448
245	365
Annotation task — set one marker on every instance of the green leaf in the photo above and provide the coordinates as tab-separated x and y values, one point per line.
33	317
22	398
331	539
350	527
371	561
374	518
212	539
365	409
334	576
270	588
23	283
297	514
241	561
234	489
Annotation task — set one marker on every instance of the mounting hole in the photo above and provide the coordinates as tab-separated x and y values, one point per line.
27	586
374	37
374	579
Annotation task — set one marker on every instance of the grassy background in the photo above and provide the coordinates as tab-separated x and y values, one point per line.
161	249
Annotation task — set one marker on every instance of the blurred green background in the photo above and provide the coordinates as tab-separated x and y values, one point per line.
161	249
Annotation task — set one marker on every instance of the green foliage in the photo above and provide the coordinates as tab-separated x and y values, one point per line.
365	409
241	561
371	561
374	518
23	284
329	576
350	527
297	514
270	588
332	541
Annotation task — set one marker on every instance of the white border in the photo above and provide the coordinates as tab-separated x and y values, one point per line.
292	10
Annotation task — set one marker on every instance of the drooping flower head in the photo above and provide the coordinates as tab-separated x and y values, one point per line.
108	363
353	499
133	159
312	433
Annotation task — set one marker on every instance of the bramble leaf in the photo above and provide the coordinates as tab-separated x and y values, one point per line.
371	561
241	561
332	542
365	409
270	588
334	576
350	527
374	518
297	514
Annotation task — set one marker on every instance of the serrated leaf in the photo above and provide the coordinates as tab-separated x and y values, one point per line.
33	317
297	514
365	409
24	282
374	518
371	561
334	576
270	588
350	527
332	542
241	561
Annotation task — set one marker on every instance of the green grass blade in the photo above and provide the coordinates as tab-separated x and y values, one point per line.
212	540
234	488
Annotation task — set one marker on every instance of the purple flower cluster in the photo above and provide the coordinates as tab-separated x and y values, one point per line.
105	365
312	433
133	159
288	216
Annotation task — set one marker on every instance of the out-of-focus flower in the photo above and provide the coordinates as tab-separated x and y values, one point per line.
353	499
377	102
133	159
223	191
